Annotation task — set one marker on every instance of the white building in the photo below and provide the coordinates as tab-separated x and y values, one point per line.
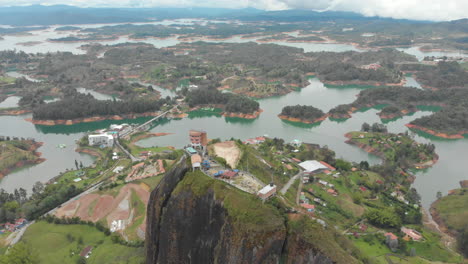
267	191
104	140
312	166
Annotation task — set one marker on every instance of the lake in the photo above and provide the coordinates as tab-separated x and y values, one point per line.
444	176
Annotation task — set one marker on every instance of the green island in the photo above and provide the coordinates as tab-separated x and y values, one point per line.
302	113
17	153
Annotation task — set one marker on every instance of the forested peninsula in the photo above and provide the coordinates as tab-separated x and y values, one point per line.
79	107
450	122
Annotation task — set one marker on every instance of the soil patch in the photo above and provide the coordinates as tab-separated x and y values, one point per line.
229	151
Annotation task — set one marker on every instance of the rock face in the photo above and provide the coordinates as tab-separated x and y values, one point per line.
195	219
300	251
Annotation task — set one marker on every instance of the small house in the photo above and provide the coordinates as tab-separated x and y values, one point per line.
86	252
411	233
228	174
267	191
196	161
308	207
332	192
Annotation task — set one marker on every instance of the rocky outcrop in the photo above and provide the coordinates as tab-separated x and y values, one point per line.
302	252
195	219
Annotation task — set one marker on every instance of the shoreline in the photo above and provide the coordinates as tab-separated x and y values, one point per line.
14	112
149	135
299	120
21	164
364	83
400	114
242	115
435	133
49	122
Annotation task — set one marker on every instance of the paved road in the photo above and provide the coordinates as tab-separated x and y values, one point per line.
290	182
133	158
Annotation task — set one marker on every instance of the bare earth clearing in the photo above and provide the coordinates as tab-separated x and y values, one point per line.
95	207
229	151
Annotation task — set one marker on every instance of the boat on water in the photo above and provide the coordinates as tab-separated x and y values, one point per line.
61	146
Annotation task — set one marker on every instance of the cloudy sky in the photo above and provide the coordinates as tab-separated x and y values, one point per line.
412	9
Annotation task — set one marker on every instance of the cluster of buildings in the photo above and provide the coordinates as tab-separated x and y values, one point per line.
409	234
313	167
11	227
105	138
305	203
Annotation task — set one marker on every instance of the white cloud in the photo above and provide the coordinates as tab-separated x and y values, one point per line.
411	9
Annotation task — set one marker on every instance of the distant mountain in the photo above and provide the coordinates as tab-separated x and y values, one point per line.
63	14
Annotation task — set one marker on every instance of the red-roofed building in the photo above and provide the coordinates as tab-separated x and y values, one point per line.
332	192
86	252
330	167
379	181
391	236
362	188
20	221
411	233
229	174
296	160
260	139
309	207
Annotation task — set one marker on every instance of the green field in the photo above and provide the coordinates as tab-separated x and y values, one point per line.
61	244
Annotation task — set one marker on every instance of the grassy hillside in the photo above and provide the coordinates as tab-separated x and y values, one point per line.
63	243
452	209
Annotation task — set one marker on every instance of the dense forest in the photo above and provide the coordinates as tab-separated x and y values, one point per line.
233	103
445	75
81	105
303	112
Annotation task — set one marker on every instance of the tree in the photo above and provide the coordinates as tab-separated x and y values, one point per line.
37	188
439	195
20	253
364	165
76	164
343	165
365	127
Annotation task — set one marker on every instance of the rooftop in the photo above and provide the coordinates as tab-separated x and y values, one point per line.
196	159
312	165
267	189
